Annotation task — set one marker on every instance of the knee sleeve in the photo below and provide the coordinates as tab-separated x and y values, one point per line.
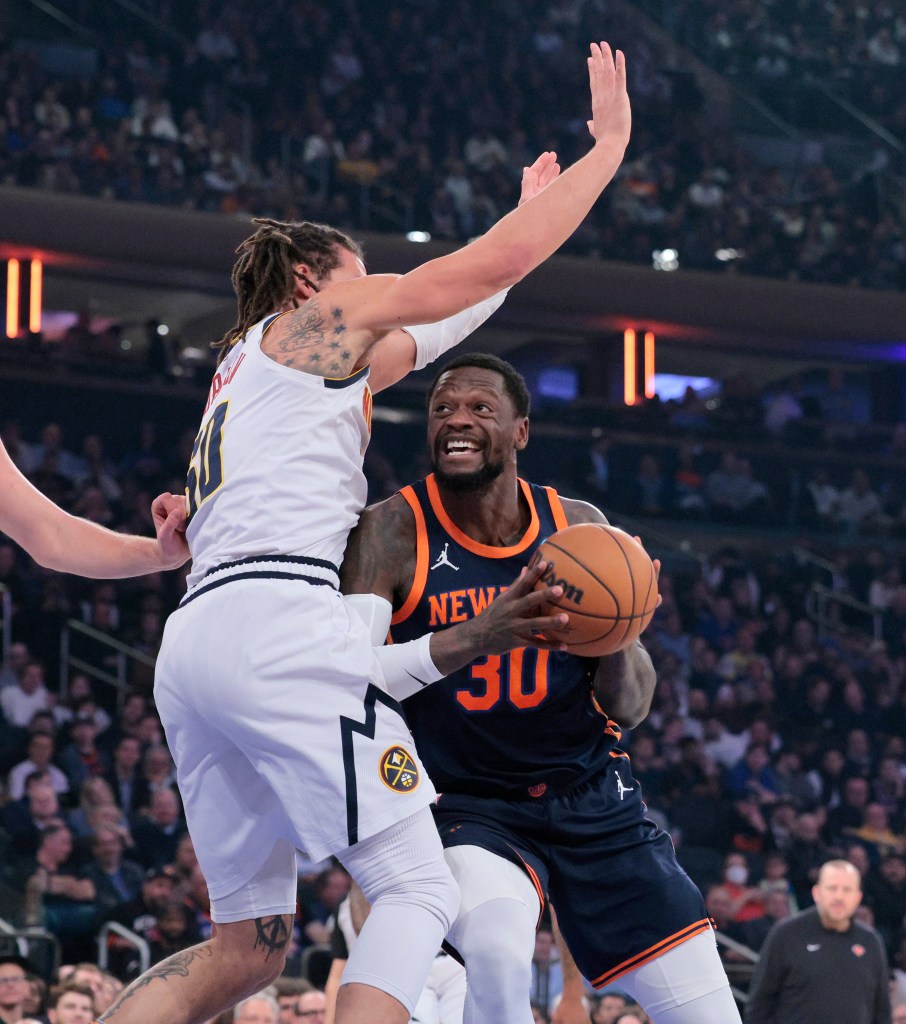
494	934
413	903
496	940
687	985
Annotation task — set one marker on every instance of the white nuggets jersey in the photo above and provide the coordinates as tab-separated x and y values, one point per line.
277	464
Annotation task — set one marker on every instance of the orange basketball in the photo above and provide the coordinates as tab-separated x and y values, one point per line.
609	587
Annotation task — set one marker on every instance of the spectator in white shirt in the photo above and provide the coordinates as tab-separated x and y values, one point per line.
29	695
40	759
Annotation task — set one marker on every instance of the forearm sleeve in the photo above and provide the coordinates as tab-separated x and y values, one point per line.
432	340
407	667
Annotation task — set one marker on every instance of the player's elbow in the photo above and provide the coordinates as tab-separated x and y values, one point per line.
512	264
633	714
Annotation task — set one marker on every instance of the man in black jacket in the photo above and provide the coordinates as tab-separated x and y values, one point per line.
821	965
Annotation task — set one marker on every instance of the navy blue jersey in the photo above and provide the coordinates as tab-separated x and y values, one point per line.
521	724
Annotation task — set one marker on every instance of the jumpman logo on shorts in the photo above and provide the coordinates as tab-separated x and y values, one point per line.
621	789
442	559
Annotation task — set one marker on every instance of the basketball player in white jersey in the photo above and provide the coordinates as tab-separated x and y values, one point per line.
66	543
269	691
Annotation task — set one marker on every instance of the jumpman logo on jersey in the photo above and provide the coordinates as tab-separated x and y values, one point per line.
621	789
443	559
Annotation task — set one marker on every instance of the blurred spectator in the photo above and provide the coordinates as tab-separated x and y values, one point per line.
311	1007
158	831
547	977
258	1009
139	914
776	908
609	1008
81	759
28	695
734	494
125	777
746	901
97	807
115	880
71	1004
319	911
859	508
174	930
17	657
40	759
158	769
13	987
58	896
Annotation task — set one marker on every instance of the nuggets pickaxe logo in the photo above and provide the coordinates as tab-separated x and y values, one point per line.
399	771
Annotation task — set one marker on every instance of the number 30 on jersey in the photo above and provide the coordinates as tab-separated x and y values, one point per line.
206	465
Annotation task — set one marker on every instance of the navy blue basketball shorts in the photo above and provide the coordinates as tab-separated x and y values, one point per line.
621	897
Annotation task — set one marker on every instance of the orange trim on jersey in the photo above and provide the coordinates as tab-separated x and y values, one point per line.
677	939
421	559
465	541
536	882
560	520
619	753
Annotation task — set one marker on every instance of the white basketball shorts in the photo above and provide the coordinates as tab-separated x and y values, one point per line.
275	712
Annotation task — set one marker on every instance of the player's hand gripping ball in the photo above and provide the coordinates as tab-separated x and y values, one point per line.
609	587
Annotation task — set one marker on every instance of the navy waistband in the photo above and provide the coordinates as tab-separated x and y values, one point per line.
317	571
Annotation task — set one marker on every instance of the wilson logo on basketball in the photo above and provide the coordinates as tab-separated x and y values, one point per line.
570	592
399	771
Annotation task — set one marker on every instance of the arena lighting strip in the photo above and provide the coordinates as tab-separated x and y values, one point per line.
634	358
14	297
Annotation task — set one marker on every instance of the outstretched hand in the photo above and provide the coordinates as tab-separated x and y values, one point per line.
537	177
169	514
611	116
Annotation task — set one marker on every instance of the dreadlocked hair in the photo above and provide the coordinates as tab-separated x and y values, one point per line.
263	275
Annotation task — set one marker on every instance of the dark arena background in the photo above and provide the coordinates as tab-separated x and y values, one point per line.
717	359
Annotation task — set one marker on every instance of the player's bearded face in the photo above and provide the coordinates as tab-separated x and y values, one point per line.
467	480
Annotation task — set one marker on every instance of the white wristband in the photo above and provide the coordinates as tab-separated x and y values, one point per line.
432	340
408	667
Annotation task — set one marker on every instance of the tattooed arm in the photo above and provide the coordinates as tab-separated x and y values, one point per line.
381	551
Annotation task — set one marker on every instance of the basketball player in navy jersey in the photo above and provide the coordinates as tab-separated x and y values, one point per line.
537	799
270	693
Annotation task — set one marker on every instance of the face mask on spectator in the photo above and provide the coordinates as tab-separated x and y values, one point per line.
737	874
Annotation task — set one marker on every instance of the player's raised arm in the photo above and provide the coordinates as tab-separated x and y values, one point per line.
65	543
414	347
519	242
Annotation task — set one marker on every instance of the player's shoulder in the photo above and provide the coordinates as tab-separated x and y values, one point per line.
381	549
390	514
577	511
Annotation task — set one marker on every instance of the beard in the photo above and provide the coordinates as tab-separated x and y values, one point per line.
466	483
